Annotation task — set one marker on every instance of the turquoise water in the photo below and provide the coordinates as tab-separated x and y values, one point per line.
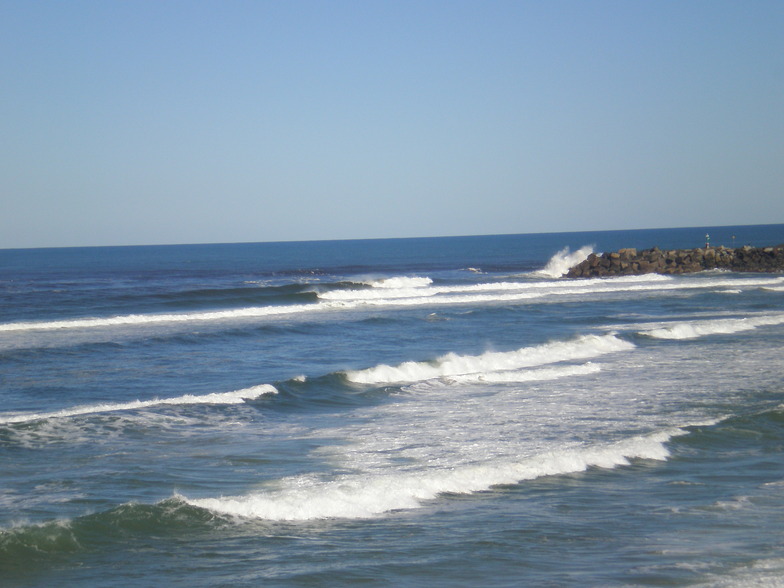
413	412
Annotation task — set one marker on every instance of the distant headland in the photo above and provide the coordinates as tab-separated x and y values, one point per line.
628	262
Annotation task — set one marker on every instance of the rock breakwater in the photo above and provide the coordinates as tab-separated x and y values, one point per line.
626	262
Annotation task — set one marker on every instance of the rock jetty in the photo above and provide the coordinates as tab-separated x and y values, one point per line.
626	262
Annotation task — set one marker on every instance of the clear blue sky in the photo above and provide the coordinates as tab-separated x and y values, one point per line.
191	121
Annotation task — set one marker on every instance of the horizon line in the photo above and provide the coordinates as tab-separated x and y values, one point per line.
349	239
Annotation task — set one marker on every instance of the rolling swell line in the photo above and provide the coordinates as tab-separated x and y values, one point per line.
530	291
702	328
26	546
148	319
533	375
360	496
407	296
235	397
450	365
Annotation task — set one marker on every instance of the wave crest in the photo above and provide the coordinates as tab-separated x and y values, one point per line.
366	496
452	364
401	282
235	397
696	329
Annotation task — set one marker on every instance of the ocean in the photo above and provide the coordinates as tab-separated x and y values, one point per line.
394	412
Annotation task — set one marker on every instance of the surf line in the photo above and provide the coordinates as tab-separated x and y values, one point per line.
362	496
147	319
235	397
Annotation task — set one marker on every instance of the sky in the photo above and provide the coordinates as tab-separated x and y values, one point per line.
167	121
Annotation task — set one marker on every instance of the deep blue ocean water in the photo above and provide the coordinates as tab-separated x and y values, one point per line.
410	412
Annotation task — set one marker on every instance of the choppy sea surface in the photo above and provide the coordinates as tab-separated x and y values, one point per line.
412	412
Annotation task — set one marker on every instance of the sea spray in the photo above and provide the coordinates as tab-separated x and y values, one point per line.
560	263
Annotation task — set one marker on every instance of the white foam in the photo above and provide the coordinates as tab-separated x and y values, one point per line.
696	329
371	495
561	262
764	573
235	397
583	347
407	292
531	290
535	375
424	290
151	319
386	294
401	282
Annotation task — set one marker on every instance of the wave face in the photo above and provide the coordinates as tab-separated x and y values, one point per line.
281	414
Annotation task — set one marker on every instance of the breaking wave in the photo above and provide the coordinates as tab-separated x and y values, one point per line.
535	375
696	329
488	365
147	319
416	291
365	496
563	261
235	397
401	282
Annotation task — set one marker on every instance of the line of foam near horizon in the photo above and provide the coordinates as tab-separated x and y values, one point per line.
223	398
407	295
419	288
545	288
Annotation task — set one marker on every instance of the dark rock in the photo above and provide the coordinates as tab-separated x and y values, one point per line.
631	262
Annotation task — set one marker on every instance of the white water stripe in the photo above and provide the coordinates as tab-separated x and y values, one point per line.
236	397
696	329
421	296
368	495
401	282
536	375
458	365
534	287
146	319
